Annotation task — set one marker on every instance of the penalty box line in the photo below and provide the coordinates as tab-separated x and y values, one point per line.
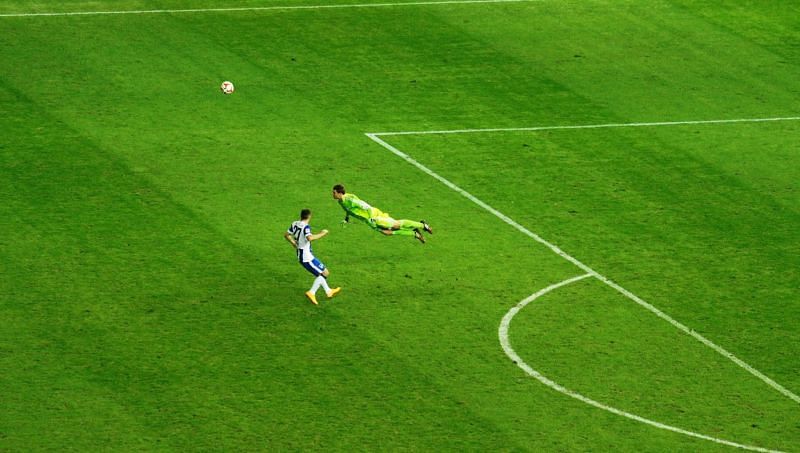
376	137
588	126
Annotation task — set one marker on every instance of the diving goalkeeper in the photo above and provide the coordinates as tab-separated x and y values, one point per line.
377	219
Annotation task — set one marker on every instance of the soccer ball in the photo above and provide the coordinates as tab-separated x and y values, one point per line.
227	87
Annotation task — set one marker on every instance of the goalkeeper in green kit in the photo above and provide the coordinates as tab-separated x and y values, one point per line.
377	219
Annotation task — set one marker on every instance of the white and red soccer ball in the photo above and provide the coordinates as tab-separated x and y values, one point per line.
227	87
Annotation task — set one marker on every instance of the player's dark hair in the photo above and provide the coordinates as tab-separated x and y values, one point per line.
305	213
338	188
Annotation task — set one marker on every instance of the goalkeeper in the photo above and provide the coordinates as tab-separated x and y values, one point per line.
377	219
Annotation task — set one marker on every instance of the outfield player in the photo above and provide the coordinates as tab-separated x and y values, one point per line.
377	219
299	235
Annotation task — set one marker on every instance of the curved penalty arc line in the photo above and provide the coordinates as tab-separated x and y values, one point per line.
505	343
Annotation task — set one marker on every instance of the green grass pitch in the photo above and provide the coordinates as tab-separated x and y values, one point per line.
149	302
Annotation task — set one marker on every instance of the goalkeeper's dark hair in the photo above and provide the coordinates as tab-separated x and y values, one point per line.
338	188
304	214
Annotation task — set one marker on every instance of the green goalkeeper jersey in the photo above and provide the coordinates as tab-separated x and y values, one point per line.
358	208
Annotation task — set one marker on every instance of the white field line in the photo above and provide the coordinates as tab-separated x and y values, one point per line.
263	8
588	270
506	344
589	126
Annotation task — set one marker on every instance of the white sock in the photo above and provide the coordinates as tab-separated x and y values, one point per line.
324	284
317	281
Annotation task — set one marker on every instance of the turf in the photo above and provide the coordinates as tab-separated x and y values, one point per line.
149	302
